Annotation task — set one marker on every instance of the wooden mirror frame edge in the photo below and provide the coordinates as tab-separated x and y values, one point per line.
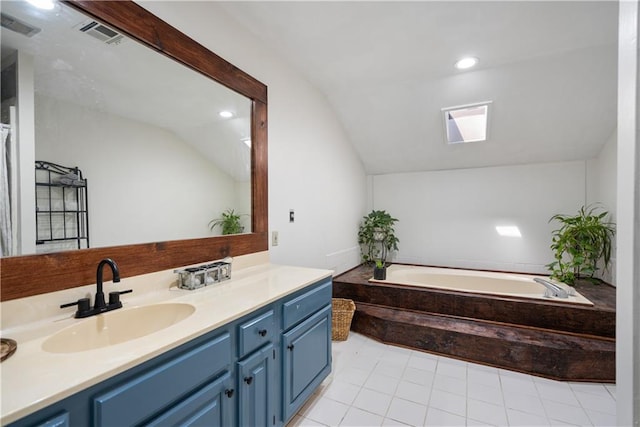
28	275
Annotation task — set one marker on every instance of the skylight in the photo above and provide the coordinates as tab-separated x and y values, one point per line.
466	123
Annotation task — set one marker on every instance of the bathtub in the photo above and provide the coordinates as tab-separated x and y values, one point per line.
493	283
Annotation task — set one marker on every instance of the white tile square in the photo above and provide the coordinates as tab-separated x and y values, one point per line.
485	377
450	384
612	389
372	401
382	383
407	412
485	393
326	411
354	376
596	402
418	376
486	412
591	388
414	392
453	403
424	363
358	417
518	384
450	368
566	413
524	403
556	391
601	419
517	418
389	368
437	417
341	391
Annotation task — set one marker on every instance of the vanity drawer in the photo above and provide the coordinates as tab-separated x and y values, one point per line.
255	332
136	400
302	306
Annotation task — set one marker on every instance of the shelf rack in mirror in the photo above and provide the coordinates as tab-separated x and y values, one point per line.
29	275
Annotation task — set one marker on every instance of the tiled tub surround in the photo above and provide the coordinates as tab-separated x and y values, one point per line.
375	384
32	378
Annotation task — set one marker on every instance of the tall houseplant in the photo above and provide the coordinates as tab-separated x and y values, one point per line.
579	244
229	222
376	236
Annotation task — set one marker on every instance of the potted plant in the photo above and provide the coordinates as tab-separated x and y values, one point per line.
377	238
380	270
229	222
579	244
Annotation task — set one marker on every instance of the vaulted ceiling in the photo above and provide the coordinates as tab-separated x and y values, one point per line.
550	69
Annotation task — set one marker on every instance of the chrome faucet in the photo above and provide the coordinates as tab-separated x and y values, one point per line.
99	305
552	290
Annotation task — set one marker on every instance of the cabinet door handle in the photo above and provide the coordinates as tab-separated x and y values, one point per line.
229	392
262	332
290	347
248	380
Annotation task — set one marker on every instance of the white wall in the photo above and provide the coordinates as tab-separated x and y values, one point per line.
313	168
601	189
448	218
144	183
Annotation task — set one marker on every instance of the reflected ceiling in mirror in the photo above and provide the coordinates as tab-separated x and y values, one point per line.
159	159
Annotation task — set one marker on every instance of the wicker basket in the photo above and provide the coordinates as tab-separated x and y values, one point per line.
342	313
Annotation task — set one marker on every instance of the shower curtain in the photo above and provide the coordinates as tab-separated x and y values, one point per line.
6	241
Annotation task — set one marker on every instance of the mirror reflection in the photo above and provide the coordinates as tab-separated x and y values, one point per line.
158	159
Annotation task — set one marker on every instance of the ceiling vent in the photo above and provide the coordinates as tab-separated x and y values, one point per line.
21	27
101	32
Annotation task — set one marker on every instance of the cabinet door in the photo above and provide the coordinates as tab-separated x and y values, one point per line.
211	406
306	353
257	388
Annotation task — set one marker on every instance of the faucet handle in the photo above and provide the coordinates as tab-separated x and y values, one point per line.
84	305
114	297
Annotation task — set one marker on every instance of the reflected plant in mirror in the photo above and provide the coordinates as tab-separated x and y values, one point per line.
144	129
230	222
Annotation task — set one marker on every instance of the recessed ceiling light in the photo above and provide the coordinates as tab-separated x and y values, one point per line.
465	63
42	4
226	114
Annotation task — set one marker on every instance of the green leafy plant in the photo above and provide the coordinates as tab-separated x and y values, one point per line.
379	263
579	244
229	222
376	236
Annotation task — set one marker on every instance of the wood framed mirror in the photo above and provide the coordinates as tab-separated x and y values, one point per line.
22	276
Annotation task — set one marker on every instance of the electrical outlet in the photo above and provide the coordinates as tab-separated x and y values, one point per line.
274	238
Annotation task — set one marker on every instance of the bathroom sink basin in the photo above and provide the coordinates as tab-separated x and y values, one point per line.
116	327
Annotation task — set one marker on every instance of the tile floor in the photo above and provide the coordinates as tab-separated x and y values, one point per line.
374	384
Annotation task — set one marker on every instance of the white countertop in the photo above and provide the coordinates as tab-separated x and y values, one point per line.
32	378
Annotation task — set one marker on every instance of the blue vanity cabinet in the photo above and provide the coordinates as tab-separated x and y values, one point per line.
257	370
306	345
257	388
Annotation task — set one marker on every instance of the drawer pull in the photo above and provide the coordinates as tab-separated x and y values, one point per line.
262	332
229	392
248	380
290	347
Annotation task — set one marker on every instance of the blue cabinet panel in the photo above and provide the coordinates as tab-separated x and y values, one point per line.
211	406
61	420
306	359
257	388
256	332
149	393
301	307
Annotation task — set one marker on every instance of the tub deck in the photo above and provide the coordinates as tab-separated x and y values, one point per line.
544	338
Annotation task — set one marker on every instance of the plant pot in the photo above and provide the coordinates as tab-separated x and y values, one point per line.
380	273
